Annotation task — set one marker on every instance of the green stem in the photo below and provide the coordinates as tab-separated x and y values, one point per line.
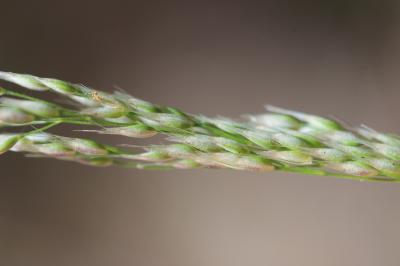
38	130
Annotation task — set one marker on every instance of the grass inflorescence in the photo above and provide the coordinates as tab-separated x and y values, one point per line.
279	139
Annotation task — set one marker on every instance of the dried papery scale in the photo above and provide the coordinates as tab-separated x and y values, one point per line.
279	139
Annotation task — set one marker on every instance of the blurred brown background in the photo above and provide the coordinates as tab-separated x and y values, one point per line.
337	57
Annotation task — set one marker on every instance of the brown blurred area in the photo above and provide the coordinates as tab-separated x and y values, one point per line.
336	58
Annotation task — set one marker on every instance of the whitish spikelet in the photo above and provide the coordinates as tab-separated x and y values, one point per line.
167	121
291	157
308	138
41	137
36	108
354	151
312	120
275	121
13	116
200	142
341	137
55	149
178	150
386	166
392	152
61	86
312	131
185	164
261	138
23	80
40	145
371	134
353	169
160	153
106	111
85	101
85	146
230	145
289	141
149	156
211	144
139	105
241	162
223	123
327	154
134	131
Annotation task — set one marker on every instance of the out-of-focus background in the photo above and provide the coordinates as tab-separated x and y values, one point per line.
336	58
